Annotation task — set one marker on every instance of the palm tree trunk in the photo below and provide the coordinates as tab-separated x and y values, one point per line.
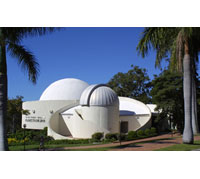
187	87
195	127
3	97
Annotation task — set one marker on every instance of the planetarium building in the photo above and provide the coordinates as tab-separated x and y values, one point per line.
71	108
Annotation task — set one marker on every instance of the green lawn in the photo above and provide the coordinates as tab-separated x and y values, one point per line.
91	149
36	146
177	147
181	147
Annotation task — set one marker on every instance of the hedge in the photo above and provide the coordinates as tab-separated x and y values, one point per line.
112	136
97	136
131	135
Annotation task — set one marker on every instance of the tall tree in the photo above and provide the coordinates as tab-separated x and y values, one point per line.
10	41
14	114
182	46
133	84
167	94
195	126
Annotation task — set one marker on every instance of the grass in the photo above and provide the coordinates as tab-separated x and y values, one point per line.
21	147
182	147
47	146
177	147
92	149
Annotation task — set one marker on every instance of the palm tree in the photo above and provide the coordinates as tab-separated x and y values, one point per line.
195	125
182	46
10	41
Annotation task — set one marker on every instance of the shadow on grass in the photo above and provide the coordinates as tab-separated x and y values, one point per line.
193	144
125	146
160	141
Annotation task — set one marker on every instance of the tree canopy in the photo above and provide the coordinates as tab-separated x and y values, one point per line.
10	41
167	94
133	84
180	45
14	114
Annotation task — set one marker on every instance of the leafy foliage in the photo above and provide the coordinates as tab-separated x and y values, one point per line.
97	136
14	114
11	38
153	131
140	133
147	132
169	44
30	136
10	41
112	136
167	93
133	84
66	141
131	135
173	44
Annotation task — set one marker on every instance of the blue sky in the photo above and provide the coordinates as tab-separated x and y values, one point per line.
93	55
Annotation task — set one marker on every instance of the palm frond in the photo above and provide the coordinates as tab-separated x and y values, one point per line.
16	34
26	59
34	31
158	38
144	44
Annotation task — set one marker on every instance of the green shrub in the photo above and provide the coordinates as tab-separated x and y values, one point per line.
147	132
67	141
153	131
97	136
109	140
131	135
31	136
123	137
140	133
112	136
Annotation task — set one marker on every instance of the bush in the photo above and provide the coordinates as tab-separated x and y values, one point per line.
123	136
153	131
109	140
66	141
97	136
112	136
31	136
140	133
147	132
131	135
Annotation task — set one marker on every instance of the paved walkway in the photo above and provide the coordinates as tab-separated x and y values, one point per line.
164	141
147	144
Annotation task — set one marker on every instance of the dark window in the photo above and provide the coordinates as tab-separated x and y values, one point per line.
124	127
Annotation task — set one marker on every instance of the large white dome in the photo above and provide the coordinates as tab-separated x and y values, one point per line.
99	95
65	89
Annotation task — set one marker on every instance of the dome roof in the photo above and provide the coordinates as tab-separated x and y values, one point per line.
65	89
99	95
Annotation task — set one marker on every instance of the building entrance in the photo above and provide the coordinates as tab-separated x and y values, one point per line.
124	127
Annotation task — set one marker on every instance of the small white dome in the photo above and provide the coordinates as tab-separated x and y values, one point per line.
65	89
99	95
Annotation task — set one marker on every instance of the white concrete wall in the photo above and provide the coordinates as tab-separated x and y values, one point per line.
93	119
142	114
41	112
104	117
133	105
137	122
82	128
62	117
57	127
